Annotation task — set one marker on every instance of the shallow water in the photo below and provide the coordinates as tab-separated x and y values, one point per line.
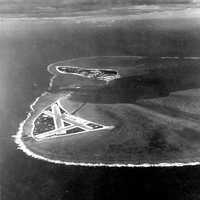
27	47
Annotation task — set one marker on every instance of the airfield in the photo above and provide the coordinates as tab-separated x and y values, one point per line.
122	131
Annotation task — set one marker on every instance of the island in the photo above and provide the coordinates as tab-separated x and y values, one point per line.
117	111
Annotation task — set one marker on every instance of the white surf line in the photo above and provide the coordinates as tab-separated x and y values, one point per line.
21	145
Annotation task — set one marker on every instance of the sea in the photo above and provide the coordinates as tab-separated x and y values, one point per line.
28	45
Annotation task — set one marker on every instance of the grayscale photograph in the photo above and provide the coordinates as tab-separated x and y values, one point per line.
99	99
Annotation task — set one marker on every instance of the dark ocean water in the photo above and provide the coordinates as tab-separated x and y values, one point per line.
26	48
